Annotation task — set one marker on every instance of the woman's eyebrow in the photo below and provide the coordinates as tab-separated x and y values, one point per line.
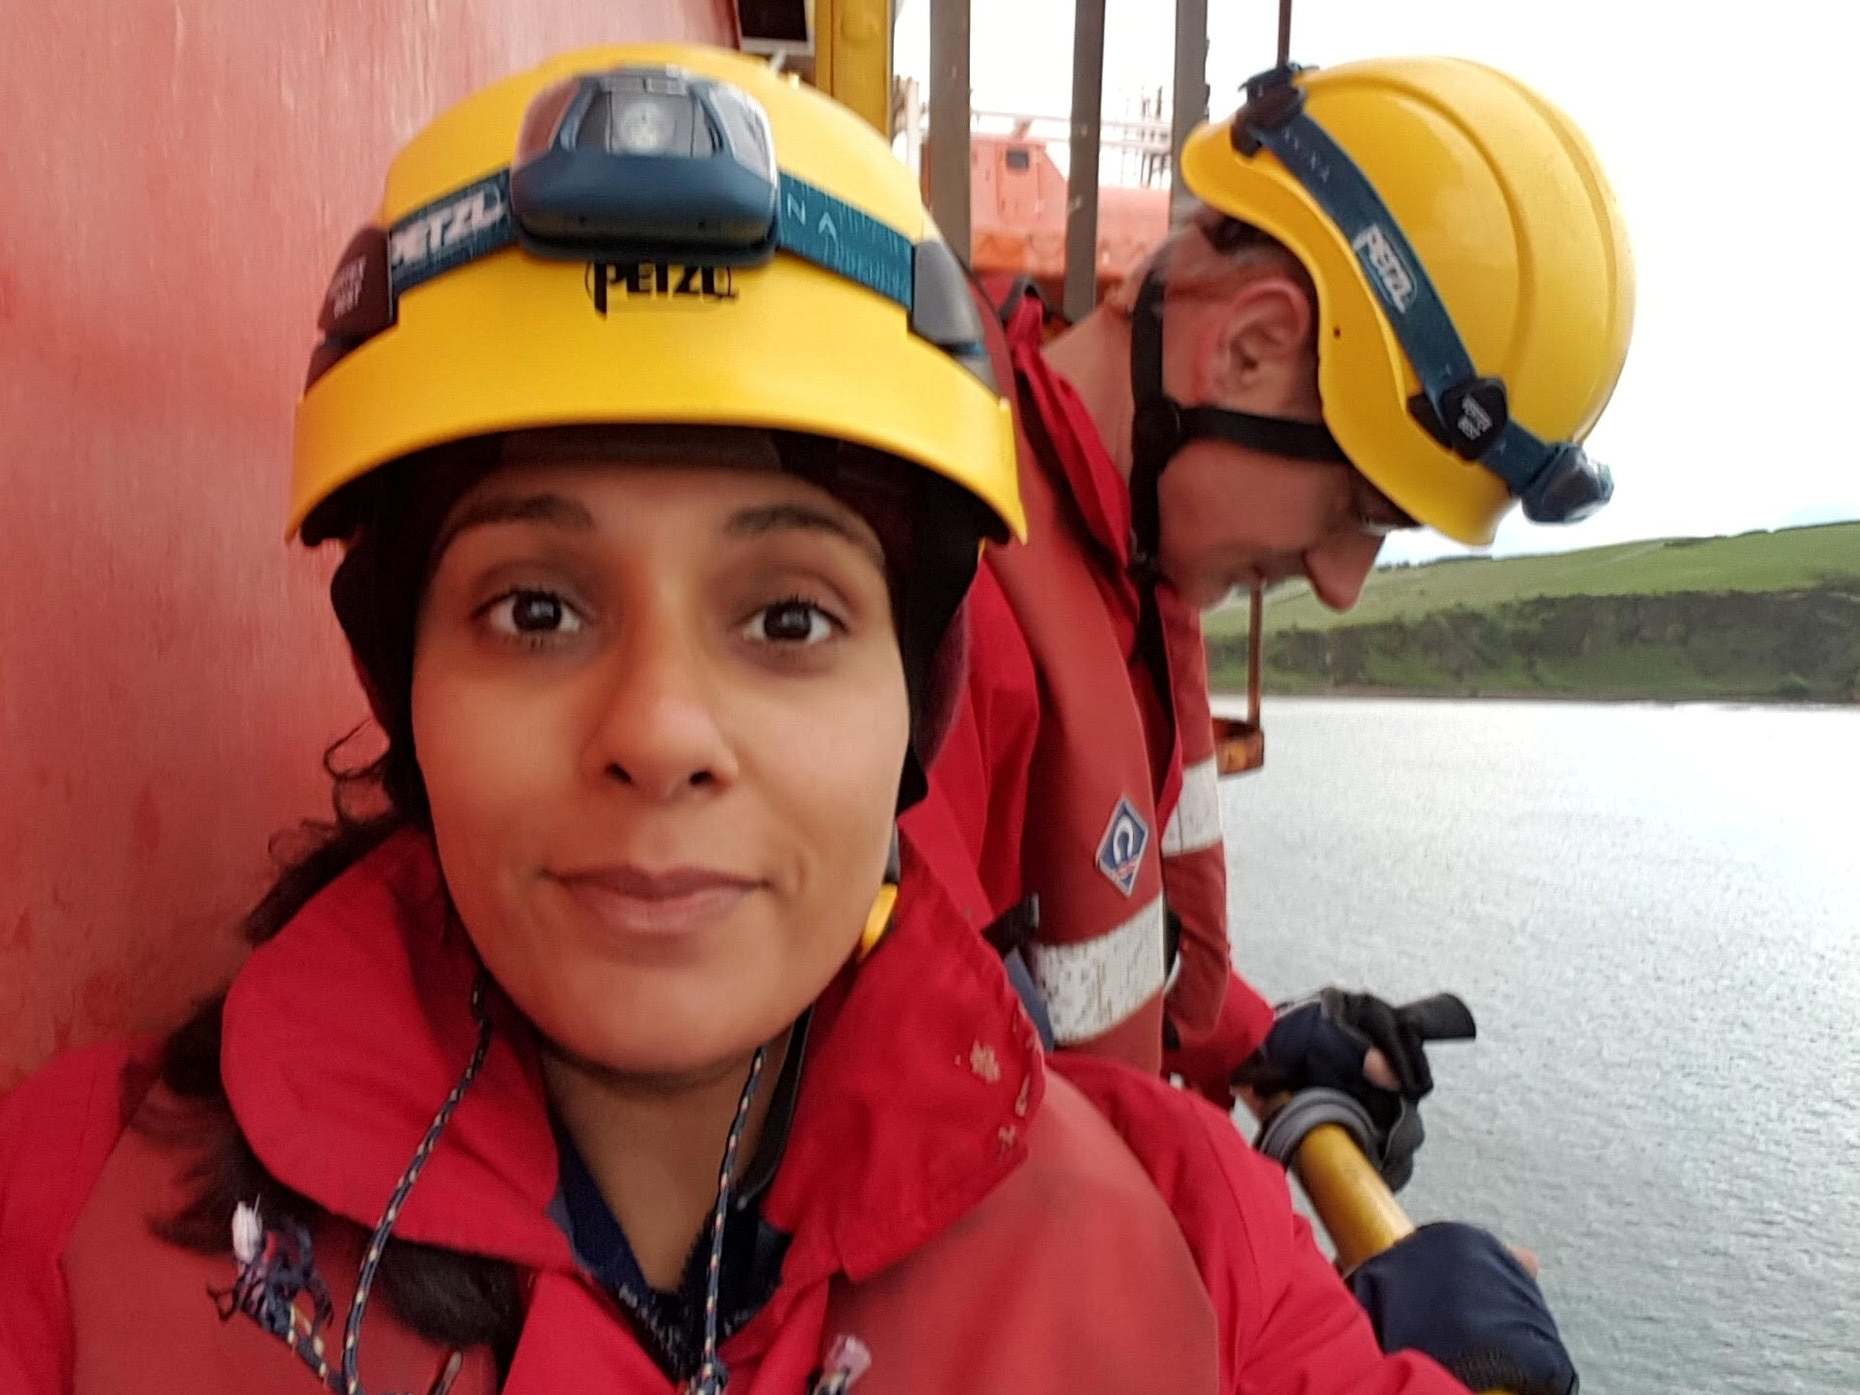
557	510
771	518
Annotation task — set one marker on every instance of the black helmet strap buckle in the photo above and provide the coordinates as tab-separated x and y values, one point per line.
1272	99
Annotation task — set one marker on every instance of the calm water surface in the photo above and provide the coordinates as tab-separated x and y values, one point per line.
1655	914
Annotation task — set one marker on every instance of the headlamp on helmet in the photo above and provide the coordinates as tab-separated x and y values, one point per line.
640	164
647	165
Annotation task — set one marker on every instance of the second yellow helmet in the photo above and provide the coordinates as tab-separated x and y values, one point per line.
1475	286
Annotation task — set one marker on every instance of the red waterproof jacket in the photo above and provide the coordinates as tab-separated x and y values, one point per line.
1076	774
980	1218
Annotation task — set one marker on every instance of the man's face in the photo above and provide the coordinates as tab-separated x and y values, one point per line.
1233	518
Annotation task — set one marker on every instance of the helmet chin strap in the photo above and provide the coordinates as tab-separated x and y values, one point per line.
1160	426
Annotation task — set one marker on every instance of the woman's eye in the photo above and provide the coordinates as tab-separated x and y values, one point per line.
533	614
790	622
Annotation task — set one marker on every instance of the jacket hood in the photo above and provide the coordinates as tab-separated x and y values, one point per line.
345	1033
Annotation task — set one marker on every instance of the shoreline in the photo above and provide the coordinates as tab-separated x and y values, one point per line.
1610	699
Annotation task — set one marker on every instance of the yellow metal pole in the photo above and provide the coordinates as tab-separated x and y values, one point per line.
852	56
1356	1206
1351	1199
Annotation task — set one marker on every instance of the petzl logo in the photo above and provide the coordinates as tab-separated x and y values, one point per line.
1390	271
473	214
1120	851
635	282
1474	420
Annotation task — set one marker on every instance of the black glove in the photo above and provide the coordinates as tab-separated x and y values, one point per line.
1321	1041
1455	1293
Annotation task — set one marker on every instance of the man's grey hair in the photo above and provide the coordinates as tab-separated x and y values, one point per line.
1211	254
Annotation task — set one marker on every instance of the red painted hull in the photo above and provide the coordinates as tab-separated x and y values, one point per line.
176	181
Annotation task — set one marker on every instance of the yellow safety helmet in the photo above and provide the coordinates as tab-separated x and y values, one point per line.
1475	288
655	234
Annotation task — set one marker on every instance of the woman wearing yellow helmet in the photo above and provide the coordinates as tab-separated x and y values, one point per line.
606	1043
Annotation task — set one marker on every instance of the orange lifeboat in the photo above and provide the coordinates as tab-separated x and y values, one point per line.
1017	205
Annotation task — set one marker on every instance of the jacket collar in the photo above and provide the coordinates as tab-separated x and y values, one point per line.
1078	455
344	1034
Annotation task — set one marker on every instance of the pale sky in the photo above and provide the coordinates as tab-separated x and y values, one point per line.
1728	131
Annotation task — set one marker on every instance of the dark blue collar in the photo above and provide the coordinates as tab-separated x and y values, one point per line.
671	1323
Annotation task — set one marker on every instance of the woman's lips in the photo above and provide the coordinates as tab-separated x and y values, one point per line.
631	901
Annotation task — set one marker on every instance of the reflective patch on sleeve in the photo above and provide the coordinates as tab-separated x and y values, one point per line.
1092	985
1196	822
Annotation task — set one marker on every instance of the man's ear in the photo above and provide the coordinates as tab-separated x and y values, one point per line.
1254	351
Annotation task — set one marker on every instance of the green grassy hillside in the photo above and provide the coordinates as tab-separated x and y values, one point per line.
1764	615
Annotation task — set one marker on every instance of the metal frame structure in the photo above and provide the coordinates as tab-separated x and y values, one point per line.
850	45
1138	137
1189	107
1082	172
949	121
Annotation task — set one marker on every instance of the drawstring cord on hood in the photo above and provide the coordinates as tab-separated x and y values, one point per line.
274	1267
712	1374
371	1262
266	1289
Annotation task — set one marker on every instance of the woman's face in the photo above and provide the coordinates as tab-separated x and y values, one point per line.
660	714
